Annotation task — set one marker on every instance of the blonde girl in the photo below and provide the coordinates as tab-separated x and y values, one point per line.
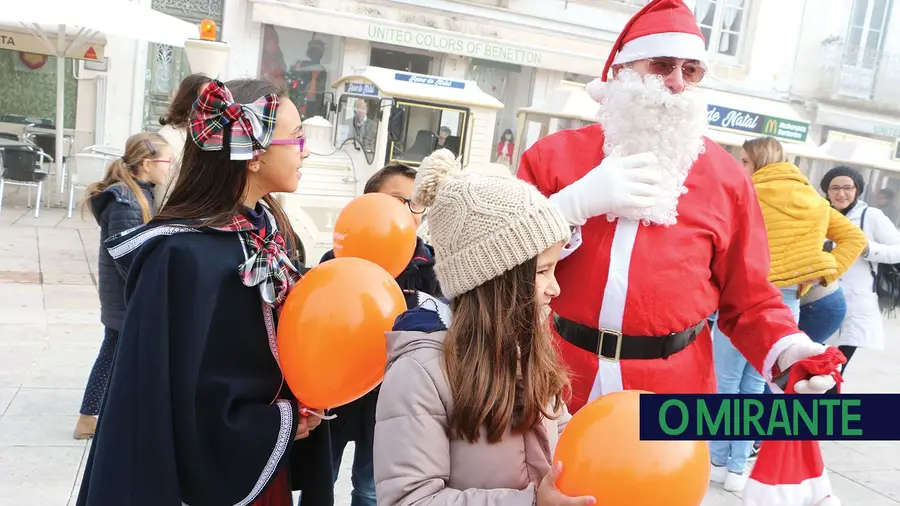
122	200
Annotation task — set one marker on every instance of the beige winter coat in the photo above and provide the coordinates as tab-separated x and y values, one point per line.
416	463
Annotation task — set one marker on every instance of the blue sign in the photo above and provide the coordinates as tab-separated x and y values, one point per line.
731	119
743	121
429	80
361	88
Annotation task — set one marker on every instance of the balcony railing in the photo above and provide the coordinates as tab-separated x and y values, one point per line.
859	75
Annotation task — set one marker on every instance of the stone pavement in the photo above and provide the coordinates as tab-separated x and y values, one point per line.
50	332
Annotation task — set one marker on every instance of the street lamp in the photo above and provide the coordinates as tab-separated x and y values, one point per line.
206	55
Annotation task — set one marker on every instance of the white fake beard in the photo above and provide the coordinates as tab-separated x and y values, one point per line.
642	115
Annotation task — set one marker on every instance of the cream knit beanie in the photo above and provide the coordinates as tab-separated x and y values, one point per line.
482	226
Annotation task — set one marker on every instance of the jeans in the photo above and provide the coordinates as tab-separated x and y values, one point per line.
734	375
822	318
356	422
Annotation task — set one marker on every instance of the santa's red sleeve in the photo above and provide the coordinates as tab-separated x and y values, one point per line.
531	171
751	311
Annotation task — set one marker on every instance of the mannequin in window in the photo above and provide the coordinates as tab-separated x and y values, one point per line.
307	81
505	148
364	129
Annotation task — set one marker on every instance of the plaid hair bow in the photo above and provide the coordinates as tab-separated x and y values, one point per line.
268	265
253	123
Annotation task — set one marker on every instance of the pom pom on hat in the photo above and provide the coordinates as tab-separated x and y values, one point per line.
434	170
481	225
596	89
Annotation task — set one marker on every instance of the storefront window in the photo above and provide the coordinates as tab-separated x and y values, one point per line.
357	120
511	85
305	62
416	130
406	61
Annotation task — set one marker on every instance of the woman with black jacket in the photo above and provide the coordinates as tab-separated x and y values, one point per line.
123	200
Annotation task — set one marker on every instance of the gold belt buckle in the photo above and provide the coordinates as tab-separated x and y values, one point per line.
618	336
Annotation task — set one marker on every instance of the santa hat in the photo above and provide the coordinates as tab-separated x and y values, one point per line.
663	28
789	473
792	473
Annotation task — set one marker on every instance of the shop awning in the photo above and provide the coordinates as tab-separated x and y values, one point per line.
92	18
875	155
868	123
16	38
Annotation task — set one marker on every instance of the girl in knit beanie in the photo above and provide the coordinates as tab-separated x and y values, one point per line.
471	405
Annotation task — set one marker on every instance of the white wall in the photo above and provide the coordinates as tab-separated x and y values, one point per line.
244	37
771	42
821	20
121	90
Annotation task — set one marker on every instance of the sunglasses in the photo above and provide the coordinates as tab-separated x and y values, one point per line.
693	71
300	142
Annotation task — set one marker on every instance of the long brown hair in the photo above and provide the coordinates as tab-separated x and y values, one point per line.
138	147
764	151
500	360
211	186
179	111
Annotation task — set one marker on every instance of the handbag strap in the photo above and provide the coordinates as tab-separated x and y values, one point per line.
862	225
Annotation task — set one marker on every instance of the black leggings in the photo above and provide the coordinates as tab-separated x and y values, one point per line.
848	352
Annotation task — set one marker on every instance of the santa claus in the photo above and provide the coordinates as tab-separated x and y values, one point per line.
667	229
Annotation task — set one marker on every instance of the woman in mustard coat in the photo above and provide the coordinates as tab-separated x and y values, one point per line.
798	221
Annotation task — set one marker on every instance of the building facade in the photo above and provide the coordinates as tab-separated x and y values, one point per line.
847	66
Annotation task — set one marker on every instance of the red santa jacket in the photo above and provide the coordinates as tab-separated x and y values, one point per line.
715	257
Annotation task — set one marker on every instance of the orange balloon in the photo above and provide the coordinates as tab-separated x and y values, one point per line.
603	457
379	228
331	341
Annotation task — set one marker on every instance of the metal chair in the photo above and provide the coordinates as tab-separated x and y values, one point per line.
21	167
87	168
47	143
9	135
100	149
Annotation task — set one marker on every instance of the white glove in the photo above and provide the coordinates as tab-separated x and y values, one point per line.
616	185
797	352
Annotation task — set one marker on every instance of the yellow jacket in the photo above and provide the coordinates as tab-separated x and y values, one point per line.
798	220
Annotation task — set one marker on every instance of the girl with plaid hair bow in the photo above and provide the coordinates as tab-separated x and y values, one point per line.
197	411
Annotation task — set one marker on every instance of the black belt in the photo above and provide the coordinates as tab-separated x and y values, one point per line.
612	345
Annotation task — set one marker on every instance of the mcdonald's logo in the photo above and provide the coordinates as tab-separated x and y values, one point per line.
771	126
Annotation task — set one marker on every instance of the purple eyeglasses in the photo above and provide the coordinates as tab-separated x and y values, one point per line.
300	142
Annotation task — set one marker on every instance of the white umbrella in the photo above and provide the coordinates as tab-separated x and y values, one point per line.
120	18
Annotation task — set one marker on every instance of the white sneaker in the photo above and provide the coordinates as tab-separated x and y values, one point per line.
735	482
718	474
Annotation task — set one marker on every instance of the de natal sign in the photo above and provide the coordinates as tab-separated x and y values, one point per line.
743	121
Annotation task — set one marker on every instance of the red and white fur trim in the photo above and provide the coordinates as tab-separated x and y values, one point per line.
595	89
761	494
609	374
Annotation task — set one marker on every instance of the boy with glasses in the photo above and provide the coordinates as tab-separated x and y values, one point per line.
356	421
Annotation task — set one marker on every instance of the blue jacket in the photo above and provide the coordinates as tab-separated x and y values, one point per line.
116	210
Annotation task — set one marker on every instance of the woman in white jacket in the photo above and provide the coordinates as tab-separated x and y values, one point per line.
863	326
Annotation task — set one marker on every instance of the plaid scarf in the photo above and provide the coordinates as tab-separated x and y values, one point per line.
252	123
268	265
